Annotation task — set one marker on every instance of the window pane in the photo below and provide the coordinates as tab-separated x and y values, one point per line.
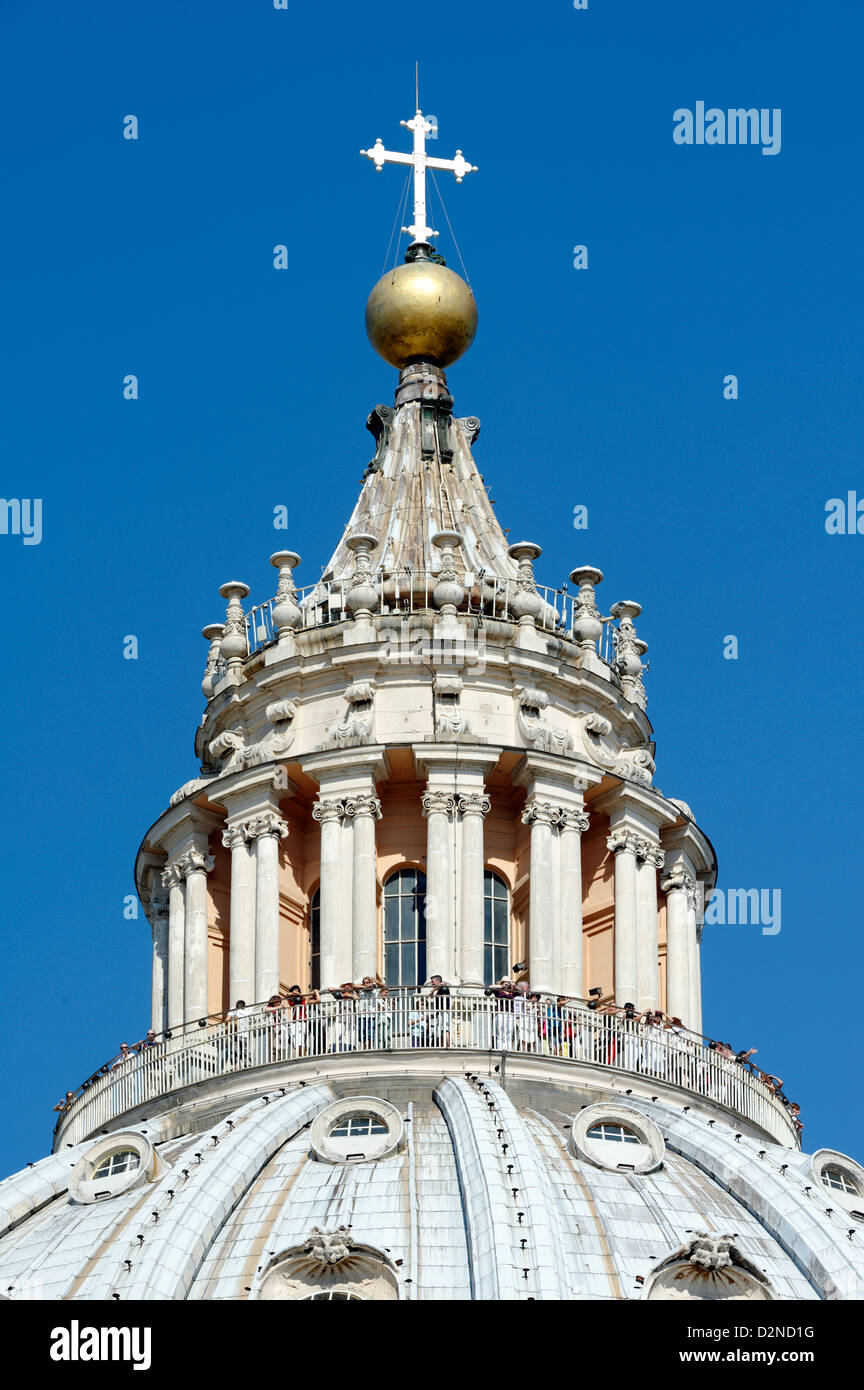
391	919
391	965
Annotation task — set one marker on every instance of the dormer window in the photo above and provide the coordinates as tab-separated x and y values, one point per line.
122	1161
840	1181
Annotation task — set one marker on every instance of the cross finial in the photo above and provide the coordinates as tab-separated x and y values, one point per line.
421	126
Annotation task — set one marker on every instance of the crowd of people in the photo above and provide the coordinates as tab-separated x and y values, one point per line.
367	1016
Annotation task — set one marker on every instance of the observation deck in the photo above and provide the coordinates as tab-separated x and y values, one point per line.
409	1034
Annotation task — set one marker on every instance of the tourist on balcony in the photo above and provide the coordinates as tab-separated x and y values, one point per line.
678	1053
440	1001
238	1026
149	1040
505	993
526	1018
277	1032
126	1055
298	1005
382	1022
655	1051
744	1057
417	1023
66	1102
367	1011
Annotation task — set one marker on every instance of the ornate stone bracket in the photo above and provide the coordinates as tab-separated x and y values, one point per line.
636	764
543	737
450	722
470	426
379	423
356	728
281	714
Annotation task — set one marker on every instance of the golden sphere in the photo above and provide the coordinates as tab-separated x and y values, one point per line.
421	312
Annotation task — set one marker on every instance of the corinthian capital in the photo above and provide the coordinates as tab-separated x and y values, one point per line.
266	824
438	801
541	813
678	880
363	806
328	810
474	804
570	818
235	835
195	861
172	875
653	855
623	840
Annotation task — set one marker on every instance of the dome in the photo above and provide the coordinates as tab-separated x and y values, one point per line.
421	312
476	1192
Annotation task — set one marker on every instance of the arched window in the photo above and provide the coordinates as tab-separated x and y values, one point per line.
496	928
331	1296
617	1133
405	928
840	1181
121	1161
315	937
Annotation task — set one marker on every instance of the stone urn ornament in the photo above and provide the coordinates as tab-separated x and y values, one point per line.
526	604
587	622
213	634
234	643
285	612
362	596
448	592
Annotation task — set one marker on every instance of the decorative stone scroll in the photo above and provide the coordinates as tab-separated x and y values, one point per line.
356	728
474	804
437	802
636	764
542	737
362	806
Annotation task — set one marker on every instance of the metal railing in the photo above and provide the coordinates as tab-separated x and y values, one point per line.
401	593
411	1021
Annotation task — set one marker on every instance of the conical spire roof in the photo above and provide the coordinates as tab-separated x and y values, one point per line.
423	480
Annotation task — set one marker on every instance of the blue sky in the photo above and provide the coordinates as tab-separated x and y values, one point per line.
601	387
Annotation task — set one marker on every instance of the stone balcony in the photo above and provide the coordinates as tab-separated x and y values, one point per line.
409	1036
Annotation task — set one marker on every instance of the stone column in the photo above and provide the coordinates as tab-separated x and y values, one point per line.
241	934
266	830
195	865
172	879
541	816
572	824
624	845
438	808
472	808
364	810
679	887
650	858
695	934
159	922
335	931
